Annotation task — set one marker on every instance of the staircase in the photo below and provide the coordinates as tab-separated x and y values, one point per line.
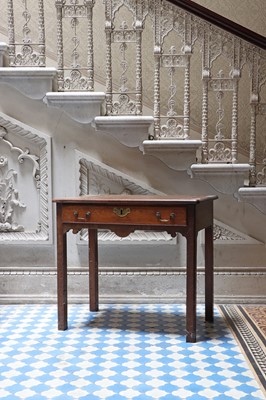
138	97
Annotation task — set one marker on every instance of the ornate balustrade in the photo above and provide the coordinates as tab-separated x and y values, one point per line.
198	73
26	37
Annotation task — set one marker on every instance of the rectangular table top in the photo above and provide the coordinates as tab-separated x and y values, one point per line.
136	199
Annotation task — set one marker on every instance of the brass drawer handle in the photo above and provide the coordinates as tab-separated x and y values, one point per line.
87	215
158	216
121	212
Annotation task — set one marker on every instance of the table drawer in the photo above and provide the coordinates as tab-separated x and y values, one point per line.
119	215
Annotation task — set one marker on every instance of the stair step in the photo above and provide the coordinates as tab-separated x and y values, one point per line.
33	82
176	154
255	196
82	107
225	178
128	130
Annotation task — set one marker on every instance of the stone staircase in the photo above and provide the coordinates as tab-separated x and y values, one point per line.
83	149
132	131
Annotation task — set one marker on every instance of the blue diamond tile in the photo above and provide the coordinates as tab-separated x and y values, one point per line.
122	352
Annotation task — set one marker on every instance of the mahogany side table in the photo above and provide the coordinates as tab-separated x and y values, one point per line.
123	214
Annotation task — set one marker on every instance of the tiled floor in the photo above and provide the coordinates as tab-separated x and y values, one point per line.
122	352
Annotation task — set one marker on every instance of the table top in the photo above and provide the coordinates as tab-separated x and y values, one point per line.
113	199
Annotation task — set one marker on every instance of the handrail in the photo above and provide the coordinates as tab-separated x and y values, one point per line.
222	22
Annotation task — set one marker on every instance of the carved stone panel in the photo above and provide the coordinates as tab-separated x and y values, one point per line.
25	197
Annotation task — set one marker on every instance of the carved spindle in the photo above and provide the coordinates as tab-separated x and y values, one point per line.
108	35
157	96
187	99
41	29
11	33
90	47
60	52
235	123
204	134
252	147
138	73
157	61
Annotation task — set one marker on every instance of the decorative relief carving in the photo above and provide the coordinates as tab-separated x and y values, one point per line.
261	176
23	154
220	153
9	198
75	10
129	271
172	129
222	233
35	189
96	178
124	106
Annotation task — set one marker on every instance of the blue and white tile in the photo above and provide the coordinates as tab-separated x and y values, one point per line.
122	352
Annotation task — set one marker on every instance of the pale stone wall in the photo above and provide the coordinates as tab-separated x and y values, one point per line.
250	14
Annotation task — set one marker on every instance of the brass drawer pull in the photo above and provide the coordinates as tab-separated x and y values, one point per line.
87	215
121	212
158	216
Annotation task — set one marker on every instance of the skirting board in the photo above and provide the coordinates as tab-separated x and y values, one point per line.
83	299
131	285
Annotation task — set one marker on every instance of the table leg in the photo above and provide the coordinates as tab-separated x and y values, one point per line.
191	287
93	270
209	274
62	278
